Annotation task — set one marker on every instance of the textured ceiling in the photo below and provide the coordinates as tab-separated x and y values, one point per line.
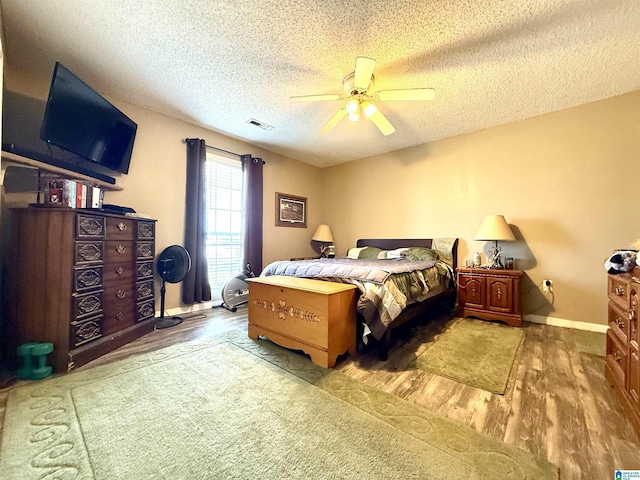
221	63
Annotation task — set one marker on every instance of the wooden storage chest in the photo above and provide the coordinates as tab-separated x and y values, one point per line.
314	316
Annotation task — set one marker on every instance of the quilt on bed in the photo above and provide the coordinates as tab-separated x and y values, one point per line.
386	286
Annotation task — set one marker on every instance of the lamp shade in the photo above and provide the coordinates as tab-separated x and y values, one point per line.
323	234
495	227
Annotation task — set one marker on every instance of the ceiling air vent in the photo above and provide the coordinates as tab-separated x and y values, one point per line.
260	124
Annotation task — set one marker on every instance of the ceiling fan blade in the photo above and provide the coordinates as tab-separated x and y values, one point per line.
340	114
364	70
315	98
382	123
406	94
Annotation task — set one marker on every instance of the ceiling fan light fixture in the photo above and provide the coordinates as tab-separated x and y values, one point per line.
354	117
352	106
368	108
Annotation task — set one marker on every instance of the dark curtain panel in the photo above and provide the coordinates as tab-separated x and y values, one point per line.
252	229
195	287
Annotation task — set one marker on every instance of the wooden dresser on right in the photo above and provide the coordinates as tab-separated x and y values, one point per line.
622	368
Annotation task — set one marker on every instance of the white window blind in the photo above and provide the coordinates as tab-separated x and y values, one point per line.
223	191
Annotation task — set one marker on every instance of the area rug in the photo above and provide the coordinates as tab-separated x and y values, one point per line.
229	408
591	343
474	352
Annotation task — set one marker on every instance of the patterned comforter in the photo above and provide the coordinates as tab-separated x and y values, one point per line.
386	286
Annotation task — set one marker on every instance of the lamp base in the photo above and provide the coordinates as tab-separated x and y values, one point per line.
496	258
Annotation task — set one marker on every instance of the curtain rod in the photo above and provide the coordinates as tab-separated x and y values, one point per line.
184	140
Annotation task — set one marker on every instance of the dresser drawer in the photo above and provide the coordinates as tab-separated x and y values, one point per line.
616	358
618	288
144	270
86	304
120	272
118	316
144	251
87	278
619	322
145	310
121	229
146	230
90	226
116	251
86	330
117	295
88	252
144	290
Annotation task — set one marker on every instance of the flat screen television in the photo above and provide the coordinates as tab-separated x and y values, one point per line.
78	119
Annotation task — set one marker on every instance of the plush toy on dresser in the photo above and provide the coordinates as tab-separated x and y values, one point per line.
621	261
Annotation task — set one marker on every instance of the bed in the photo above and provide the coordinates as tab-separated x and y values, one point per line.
398	280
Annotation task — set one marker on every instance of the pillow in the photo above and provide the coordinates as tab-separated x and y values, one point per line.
420	253
363	253
391	254
444	247
354	252
369	253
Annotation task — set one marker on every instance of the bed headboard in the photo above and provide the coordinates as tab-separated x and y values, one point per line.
393	243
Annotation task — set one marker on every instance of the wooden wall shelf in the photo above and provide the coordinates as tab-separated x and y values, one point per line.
12	157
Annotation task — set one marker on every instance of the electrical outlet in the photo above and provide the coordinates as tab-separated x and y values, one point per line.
547	285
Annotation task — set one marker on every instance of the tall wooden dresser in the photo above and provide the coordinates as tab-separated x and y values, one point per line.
80	279
622	368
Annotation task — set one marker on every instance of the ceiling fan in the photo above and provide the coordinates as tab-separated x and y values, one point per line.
357	86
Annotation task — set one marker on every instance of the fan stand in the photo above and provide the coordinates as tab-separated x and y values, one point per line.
165	322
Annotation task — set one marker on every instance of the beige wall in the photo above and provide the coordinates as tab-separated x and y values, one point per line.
156	181
565	181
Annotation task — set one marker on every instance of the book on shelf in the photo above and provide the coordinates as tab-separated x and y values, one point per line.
72	193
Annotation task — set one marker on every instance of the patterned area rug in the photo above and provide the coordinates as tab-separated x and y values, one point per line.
474	352
230	407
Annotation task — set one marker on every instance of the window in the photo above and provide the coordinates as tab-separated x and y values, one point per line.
223	193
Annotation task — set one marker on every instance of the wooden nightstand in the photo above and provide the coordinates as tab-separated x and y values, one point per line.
490	294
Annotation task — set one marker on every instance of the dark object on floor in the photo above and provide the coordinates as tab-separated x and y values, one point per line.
7	378
173	265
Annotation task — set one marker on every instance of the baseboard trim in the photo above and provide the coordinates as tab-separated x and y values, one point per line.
198	307
541	319
562	322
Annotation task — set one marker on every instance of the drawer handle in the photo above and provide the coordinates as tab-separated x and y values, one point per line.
619	290
620	323
121	293
121	249
119	316
122	227
120	270
617	356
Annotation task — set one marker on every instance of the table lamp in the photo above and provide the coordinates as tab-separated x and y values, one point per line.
323	235
495	228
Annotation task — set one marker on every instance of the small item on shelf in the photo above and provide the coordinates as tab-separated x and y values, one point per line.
477	259
54	194
509	263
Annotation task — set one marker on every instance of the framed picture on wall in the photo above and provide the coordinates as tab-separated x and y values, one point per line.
291	211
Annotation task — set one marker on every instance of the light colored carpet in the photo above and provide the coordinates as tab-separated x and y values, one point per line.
229	408
474	352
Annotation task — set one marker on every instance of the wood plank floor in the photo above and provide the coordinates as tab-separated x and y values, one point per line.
557	405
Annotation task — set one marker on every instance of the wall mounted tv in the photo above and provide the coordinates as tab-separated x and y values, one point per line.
79	120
